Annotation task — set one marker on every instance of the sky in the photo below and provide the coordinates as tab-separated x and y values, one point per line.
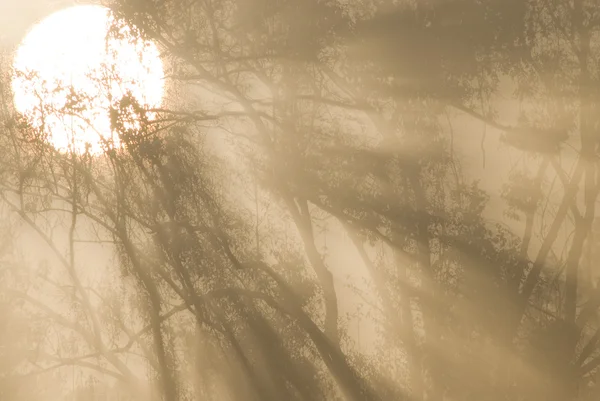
16	18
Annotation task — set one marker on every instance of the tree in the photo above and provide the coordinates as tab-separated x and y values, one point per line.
332	113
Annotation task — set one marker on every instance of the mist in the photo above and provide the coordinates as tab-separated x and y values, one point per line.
363	200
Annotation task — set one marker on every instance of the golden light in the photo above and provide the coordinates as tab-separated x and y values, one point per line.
71	68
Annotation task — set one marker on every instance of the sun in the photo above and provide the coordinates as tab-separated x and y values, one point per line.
71	72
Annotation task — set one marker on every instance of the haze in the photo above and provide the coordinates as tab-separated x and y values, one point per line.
368	200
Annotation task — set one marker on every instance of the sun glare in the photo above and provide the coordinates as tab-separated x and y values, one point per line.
71	70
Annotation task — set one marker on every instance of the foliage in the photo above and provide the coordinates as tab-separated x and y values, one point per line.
329	114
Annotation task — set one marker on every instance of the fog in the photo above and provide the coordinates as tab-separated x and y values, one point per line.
368	200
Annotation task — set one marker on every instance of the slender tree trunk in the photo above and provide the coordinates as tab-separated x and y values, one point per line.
583	226
429	304
301	216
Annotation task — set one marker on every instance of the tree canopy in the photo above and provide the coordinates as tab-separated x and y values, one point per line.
289	123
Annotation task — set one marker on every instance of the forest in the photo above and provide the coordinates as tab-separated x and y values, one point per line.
363	200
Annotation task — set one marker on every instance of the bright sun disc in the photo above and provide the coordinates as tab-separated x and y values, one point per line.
69	72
